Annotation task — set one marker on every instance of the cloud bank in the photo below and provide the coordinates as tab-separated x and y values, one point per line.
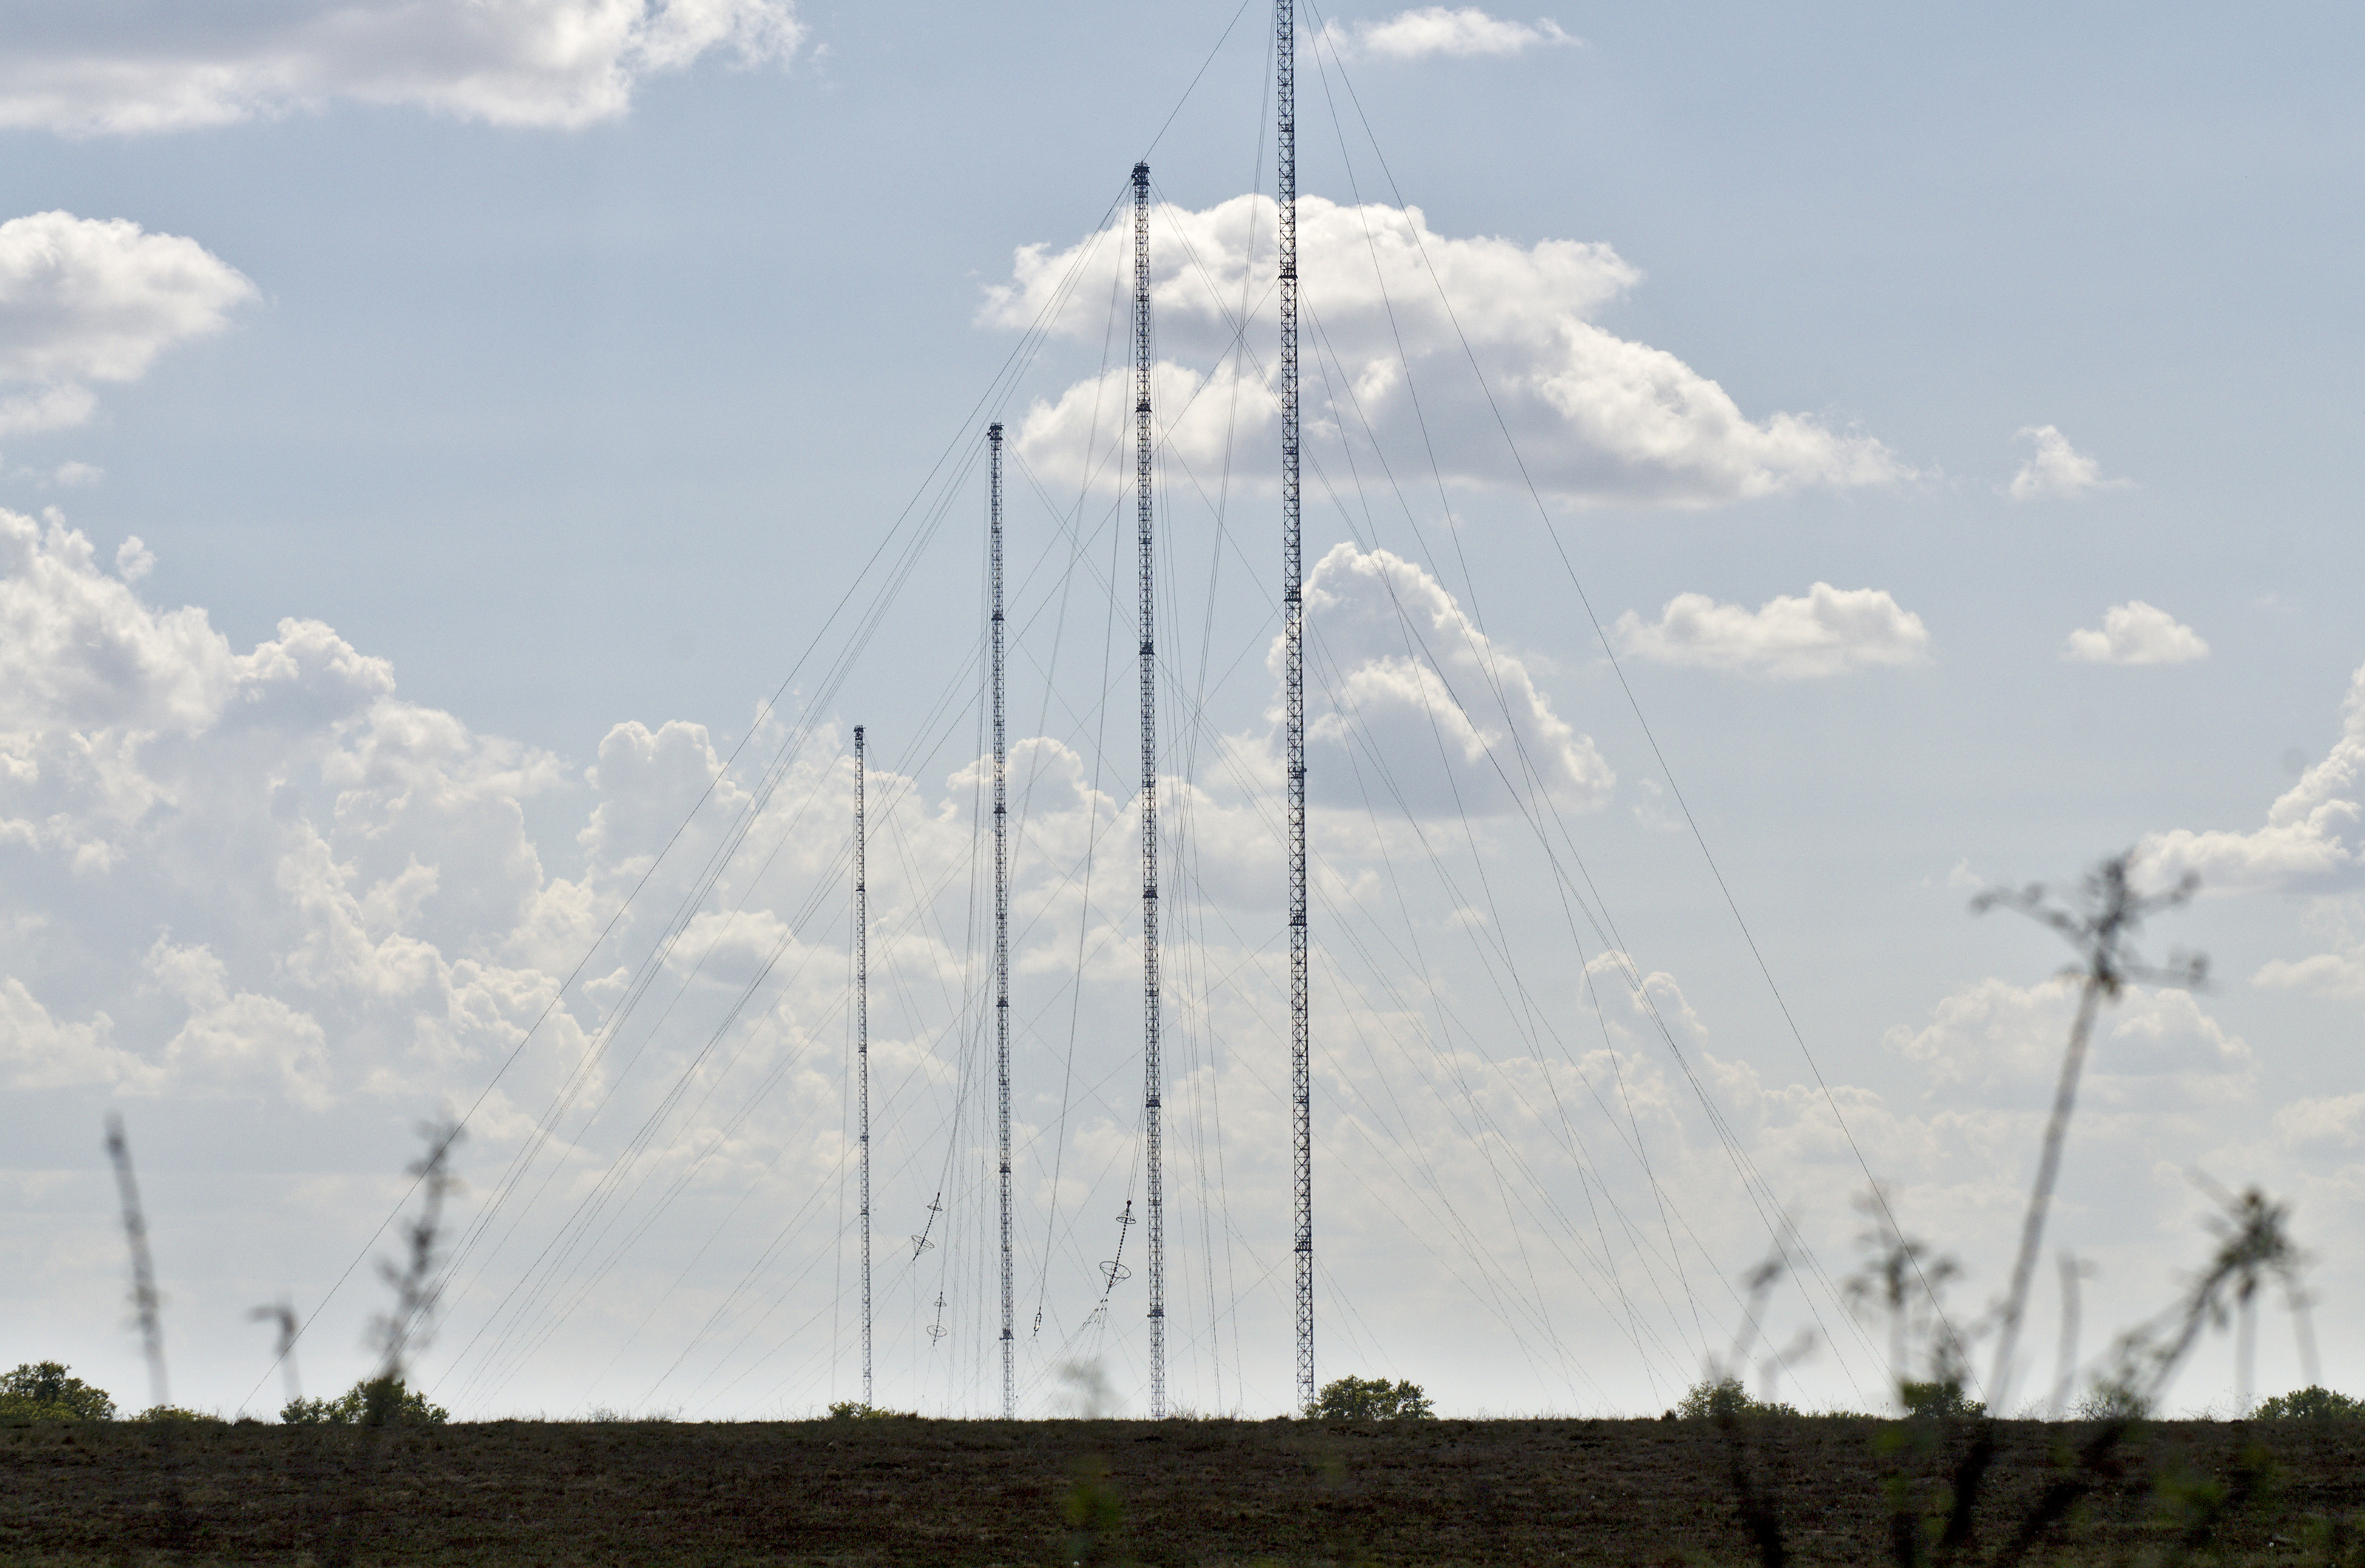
300	855
258	883
85	300
1827	631
1599	418
2136	633
161	65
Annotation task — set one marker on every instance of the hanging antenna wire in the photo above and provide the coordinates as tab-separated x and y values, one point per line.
921	1243
1113	1269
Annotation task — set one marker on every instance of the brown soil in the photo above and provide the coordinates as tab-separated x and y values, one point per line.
1200	1493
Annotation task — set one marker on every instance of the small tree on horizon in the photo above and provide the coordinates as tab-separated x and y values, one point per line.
1371	1399
372	1401
2314	1403
1713	1399
1939	1397
46	1391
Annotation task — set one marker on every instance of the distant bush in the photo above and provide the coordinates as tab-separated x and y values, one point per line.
1935	1399
855	1410
2111	1401
2312	1403
372	1402
44	1390
1371	1399
1713	1399
173	1413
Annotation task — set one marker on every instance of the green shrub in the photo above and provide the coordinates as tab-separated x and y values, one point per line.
2111	1400
173	1413
44	1390
1935	1399
2314	1403
1713	1399
372	1402
18	1411
1371	1399
855	1410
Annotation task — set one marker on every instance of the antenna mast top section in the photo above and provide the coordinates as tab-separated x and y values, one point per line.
1141	346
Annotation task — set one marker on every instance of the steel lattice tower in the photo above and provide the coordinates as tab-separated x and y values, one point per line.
1293	577
1152	1070
1002	929
862	1043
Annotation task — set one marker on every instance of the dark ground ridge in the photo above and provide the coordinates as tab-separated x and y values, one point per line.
906	1491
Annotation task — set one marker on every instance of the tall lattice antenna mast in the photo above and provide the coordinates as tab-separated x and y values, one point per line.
1152	1070
862	1044
1002	931
1293	577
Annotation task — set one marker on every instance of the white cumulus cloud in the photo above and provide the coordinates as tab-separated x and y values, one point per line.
2136	633
87	300
1428	30
2004	1042
1419	709
2056	468
2338	972
1597	418
2313	835
161	65
2312	839
2323	1119
280	815
1827	630
37	1051
2326	974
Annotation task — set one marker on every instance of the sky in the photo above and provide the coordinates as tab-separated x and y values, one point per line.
465	469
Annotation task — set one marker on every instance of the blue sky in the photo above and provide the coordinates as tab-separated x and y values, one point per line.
1945	416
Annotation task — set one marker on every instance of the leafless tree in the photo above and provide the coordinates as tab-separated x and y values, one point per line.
2102	929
